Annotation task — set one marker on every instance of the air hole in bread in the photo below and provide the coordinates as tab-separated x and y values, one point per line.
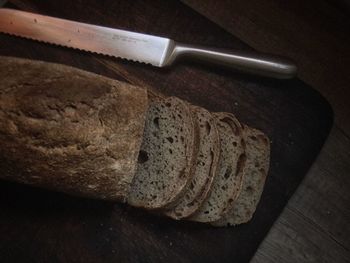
234	144
207	128
182	173
249	189
253	138
228	172
143	157
262	170
170	151
156	122
240	164
171	140
243	143
191	186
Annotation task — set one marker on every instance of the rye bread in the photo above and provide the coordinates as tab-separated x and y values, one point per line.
254	176
166	156
227	183
205	167
69	130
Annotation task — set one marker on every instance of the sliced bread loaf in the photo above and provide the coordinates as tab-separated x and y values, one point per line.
227	183
205	167
166	156
254	176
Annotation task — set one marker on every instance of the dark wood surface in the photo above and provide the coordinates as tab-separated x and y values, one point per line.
39	226
316	35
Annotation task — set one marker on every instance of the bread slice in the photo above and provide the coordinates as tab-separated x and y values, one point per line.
205	167
227	183
254	176
166	157
68	130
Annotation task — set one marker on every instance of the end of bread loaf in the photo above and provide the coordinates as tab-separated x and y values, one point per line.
254	176
166	155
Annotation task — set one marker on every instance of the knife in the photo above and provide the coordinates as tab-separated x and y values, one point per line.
149	49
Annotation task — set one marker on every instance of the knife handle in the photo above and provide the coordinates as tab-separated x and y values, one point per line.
249	62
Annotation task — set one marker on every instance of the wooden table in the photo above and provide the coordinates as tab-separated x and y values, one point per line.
314	225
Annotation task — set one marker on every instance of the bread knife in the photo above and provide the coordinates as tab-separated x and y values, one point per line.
149	49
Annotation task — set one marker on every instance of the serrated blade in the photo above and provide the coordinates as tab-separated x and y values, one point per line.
97	39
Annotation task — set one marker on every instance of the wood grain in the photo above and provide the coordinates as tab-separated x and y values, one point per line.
107	232
311	246
316	34
314	226
333	212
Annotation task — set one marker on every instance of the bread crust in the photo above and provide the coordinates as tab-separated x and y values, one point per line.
199	191
254	177
69	130
206	213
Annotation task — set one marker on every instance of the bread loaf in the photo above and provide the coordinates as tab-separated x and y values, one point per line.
79	133
68	130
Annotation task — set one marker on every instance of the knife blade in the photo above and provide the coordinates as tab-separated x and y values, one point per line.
138	47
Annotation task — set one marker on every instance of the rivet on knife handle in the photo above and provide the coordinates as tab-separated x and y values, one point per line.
154	50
